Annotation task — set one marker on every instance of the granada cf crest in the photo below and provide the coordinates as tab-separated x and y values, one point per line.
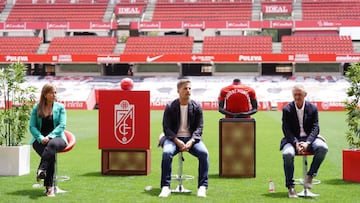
124	121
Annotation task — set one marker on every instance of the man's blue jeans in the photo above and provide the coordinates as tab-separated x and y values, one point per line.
198	150
319	147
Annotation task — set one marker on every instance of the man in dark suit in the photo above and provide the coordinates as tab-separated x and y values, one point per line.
183	127
300	125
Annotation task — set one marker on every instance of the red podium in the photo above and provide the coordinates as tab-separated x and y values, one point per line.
124	132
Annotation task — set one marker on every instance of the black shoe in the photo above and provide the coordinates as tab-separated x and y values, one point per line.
41	174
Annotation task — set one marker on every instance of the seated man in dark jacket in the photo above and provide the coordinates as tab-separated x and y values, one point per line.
182	126
300	125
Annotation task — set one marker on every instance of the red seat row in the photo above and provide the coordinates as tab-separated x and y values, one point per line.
316	32
159	45
82	45
330	10
19	45
179	45
238	44
2	5
317	44
204	1
197	11
52	2
277	1
57	12
329	1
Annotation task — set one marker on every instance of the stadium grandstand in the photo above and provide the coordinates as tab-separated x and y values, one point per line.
257	40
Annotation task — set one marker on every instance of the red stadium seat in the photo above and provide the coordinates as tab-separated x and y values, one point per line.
237	44
57	12
317	44
159	45
207	10
82	45
330	10
19	45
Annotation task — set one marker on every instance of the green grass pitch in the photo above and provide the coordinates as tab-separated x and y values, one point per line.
87	184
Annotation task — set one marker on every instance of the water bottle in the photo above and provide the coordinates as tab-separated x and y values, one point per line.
271	186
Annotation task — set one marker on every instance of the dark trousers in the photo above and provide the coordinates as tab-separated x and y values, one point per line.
47	153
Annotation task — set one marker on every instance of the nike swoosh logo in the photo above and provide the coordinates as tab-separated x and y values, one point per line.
151	59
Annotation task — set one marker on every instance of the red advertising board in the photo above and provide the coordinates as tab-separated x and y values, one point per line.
156	25
124	119
180	58
66	25
283	24
322	106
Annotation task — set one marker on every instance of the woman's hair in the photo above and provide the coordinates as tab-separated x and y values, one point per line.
42	102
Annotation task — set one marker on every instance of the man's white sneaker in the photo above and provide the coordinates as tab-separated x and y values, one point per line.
201	191
165	191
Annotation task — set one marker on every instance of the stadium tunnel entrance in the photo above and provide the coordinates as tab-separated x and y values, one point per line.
40	69
277	69
118	69
197	69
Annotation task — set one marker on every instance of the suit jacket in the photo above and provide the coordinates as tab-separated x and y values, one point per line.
171	120
291	128
59	117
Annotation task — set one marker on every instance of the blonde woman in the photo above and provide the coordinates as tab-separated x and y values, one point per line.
47	125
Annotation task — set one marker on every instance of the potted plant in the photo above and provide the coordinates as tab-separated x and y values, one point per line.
16	104
351	157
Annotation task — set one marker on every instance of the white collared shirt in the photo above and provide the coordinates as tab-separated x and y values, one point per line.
300	115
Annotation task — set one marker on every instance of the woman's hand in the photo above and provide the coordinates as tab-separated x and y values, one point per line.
45	140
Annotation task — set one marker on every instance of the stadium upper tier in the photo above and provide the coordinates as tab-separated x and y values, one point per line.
2	4
25	12
44	12
177	10
208	11
179	45
330	9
